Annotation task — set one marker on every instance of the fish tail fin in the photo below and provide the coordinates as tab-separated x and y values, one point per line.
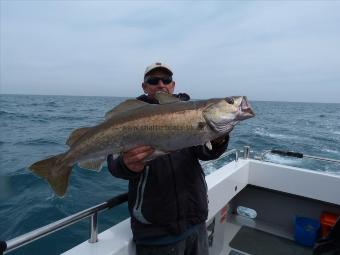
55	171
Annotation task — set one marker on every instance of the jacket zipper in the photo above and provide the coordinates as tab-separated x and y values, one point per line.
137	209
176	194
205	183
139	191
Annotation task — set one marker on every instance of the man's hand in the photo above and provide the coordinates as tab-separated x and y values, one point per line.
220	140
134	158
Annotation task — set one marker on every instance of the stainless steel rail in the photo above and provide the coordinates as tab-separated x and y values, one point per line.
224	155
246	152
230	152
92	212
322	159
297	155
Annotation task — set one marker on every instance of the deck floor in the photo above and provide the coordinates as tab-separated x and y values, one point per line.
245	240
257	242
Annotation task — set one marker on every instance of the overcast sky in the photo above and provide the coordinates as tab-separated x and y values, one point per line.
267	50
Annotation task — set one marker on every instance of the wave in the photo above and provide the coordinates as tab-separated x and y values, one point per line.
19	115
16	182
40	117
43	104
51	103
4	113
70	117
323	138
330	151
332	171
284	160
39	141
262	132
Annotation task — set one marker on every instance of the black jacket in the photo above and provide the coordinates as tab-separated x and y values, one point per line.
170	194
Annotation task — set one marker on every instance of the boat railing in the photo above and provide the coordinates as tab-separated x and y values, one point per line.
296	155
236	152
92	212
246	155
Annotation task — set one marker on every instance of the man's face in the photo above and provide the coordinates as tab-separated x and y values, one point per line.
151	88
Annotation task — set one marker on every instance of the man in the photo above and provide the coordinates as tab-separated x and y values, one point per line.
168	195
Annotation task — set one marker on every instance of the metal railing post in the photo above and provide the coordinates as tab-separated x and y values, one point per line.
94	228
246	151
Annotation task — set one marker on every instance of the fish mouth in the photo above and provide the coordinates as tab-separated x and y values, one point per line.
246	110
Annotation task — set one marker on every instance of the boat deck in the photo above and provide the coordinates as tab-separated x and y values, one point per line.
250	241
277	193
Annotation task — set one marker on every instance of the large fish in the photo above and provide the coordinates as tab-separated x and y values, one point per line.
169	126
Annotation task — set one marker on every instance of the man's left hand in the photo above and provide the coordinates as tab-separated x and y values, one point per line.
222	139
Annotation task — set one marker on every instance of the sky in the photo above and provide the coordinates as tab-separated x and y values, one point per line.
265	50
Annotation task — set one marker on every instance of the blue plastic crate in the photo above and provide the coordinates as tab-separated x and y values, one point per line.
306	231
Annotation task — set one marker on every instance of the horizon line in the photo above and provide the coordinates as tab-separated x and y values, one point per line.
255	100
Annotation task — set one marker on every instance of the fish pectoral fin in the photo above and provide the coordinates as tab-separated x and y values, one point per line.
93	164
76	134
124	106
166	98
208	145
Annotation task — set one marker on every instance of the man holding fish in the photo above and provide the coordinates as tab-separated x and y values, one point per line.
159	139
168	195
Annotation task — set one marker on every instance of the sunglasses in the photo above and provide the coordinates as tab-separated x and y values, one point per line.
155	80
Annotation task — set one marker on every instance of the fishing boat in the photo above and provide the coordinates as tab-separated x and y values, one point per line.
256	207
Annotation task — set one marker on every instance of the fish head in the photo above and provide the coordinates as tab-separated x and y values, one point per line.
223	114
245	110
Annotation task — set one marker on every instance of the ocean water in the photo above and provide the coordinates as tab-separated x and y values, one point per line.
34	127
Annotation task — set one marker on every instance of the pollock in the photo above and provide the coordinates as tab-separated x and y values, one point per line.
168	126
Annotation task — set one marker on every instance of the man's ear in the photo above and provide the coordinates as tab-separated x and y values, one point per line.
173	85
144	87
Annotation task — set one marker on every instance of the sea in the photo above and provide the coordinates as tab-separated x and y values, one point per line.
34	127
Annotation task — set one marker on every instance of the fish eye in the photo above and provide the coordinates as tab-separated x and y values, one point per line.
229	100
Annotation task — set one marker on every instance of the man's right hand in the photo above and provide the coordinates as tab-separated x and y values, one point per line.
134	158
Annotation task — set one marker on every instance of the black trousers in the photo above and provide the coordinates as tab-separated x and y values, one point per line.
195	244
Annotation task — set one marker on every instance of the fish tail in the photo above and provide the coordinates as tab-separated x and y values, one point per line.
55	171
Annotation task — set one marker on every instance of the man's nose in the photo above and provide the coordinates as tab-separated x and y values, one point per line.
160	83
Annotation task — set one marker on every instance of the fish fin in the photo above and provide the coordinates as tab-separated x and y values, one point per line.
124	106
208	145
76	134
166	98
94	164
55	172
154	155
